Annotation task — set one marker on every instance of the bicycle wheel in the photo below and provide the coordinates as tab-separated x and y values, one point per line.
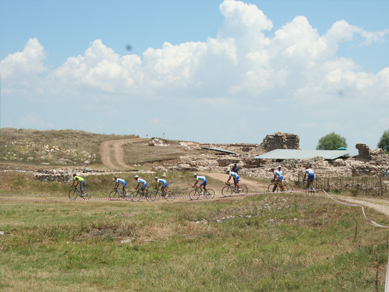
227	191
288	188
87	195
272	188
243	189
194	195
170	196
73	194
209	194
151	196
114	195
135	196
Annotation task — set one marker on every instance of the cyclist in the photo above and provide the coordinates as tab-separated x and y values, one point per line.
203	183
120	181
311	176
235	176
163	182
80	180
143	182
278	177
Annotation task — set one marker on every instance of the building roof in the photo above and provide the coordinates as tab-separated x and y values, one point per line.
303	154
221	150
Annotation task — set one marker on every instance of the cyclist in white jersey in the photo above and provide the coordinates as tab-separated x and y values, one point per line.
235	176
203	183
278	177
311	177
162	182
141	181
120	181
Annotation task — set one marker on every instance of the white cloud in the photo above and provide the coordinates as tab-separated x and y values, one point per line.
242	68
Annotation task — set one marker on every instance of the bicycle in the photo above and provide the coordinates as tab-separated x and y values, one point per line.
116	194
275	187
195	194
75	192
169	196
228	190
310	187
138	194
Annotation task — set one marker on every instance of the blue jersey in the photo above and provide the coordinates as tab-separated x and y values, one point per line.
233	174
278	174
141	180
203	178
121	181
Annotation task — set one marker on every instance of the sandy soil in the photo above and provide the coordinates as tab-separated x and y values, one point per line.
112	152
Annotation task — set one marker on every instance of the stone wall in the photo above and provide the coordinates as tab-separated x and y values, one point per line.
281	141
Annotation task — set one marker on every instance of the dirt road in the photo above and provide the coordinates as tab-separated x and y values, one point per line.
112	157
112	152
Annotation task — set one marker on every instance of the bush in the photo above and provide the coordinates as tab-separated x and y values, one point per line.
384	141
331	141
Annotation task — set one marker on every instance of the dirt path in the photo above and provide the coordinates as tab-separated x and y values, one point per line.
382	207
112	157
112	152
252	185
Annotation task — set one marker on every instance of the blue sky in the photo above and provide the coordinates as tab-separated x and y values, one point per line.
204	70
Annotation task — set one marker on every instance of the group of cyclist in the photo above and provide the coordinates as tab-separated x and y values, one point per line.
278	177
233	173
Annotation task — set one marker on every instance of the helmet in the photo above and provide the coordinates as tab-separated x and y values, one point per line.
194	174
156	178
136	176
227	170
115	176
307	167
279	166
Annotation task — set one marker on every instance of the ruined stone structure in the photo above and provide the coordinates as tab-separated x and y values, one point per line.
281	141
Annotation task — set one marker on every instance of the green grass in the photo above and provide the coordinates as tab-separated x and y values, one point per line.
270	243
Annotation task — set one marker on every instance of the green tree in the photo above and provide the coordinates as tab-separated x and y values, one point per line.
331	141
384	141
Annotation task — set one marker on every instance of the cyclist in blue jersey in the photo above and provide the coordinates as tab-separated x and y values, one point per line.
235	176
120	181
162	182
203	183
311	177
278	177
143	182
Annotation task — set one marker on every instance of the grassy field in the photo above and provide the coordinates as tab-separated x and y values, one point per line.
52	147
256	243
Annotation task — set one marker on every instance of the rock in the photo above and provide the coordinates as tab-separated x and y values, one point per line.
281	141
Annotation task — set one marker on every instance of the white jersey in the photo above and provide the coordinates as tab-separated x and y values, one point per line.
308	171
233	174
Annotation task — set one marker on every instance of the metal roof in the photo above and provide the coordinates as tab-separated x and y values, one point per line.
303	154
221	150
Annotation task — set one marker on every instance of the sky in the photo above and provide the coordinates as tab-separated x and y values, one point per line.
199	70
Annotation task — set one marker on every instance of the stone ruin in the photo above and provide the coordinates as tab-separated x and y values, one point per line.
281	141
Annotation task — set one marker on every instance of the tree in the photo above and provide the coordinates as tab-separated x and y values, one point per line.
384	141
331	141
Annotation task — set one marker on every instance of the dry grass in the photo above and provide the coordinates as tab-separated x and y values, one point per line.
63	147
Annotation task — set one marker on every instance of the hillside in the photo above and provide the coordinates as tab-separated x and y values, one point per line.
52	147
